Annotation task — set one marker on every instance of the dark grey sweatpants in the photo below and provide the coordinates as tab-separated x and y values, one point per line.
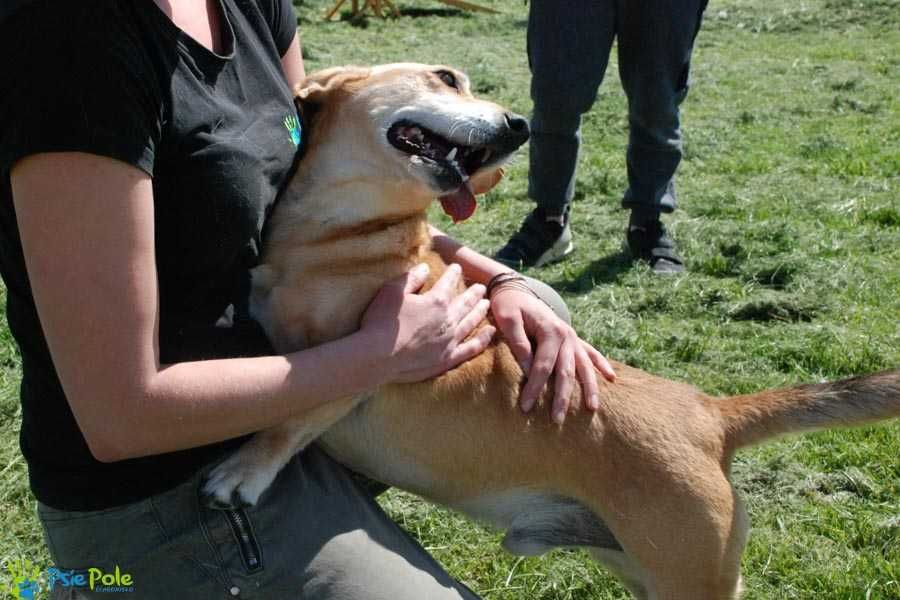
569	44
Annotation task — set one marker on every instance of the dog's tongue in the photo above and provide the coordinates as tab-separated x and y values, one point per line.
459	204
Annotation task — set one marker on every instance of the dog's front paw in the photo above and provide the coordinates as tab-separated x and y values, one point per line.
238	482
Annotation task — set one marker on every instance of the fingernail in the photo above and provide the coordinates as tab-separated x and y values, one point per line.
422	269
526	366
594	402
559	416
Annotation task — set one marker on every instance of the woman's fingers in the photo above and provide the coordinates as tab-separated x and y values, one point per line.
414	279
544	361
470	348
513	328
445	286
475	316
570	361
587	376
599	361
463	304
564	382
393	293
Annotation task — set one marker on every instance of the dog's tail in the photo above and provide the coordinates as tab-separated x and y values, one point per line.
753	418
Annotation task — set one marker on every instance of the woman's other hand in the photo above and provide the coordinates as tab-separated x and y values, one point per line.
521	318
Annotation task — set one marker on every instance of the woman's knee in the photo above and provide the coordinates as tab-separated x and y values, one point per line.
551	298
355	565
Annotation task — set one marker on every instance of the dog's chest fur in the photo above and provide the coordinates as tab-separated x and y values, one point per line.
316	285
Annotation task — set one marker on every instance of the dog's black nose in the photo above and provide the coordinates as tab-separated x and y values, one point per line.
514	134
518	125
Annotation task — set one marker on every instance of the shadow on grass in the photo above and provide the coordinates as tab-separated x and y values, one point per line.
608	269
362	20
433	12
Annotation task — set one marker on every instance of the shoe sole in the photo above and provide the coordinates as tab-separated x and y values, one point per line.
542	261
552	255
558	251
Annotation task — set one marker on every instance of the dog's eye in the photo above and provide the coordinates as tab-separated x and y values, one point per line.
448	78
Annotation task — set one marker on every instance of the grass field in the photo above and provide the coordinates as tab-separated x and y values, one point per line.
790	225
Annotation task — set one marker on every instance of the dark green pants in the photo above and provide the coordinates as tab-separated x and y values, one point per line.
315	534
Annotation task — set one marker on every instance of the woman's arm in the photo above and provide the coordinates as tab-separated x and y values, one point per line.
521	318
476	267
292	63
87	229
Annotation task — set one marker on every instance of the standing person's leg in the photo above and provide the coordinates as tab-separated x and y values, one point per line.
656	38
568	50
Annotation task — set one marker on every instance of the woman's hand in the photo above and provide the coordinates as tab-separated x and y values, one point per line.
521	317
424	335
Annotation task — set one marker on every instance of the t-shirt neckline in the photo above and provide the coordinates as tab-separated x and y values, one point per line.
188	43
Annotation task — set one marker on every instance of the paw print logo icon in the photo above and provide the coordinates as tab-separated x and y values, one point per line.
292	124
23	582
28	589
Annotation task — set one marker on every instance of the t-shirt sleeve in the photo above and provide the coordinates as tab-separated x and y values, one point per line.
282	20
77	82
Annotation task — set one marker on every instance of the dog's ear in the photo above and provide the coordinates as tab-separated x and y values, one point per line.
318	87
315	91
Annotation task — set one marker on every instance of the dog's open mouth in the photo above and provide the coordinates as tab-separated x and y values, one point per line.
452	164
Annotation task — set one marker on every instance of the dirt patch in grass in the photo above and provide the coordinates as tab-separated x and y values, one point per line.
774	308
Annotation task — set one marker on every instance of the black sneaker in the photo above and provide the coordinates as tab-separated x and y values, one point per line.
539	241
650	242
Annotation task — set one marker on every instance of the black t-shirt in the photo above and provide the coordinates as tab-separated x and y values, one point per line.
217	133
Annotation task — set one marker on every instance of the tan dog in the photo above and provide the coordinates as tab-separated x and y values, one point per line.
643	483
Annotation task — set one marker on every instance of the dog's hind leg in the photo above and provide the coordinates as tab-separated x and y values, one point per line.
241	479
713	571
627	570
558	521
689	539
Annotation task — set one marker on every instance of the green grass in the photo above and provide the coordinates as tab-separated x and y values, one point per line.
790	224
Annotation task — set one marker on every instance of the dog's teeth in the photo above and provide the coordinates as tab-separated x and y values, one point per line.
487	155
452	154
